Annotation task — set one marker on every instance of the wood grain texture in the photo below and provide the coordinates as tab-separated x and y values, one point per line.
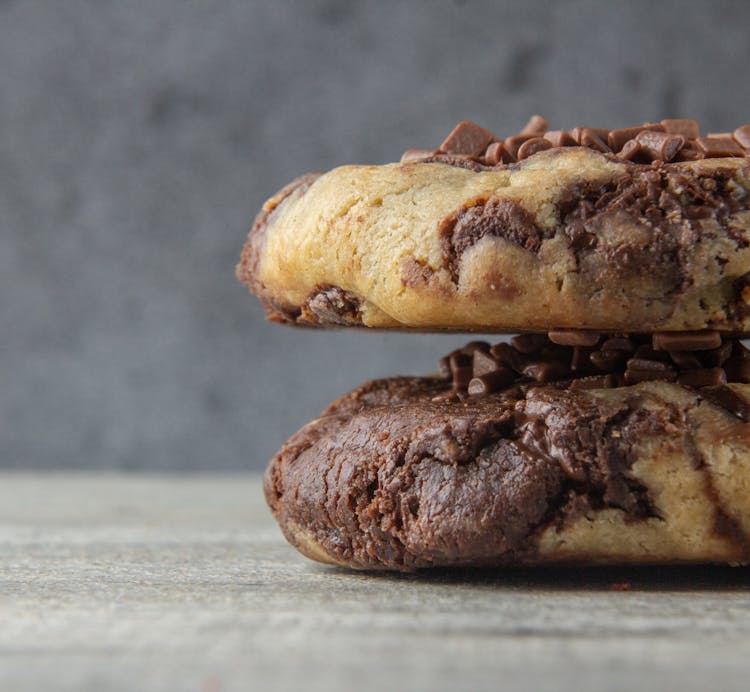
116	582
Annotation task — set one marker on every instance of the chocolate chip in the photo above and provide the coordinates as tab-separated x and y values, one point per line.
537	125
686	360
686	341
458	359
689	129
559	138
545	371
594	139
647	352
444	368
532	146
716	147
529	343
718	356
578	134
471	146
417	154
660	146
648	364
738	369
618	343
608	360
689	152
618	138
467	138
574	338
703	377
478	369
513	144
462	376
490	382
594	382
472	346
483	363
581	358
494	153
643	370
729	399
742	135
508	356
630	150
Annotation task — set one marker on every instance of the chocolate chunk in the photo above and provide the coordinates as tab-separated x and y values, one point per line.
501	218
532	146
742	135
417	154
574	338
660	146
715	147
686	341
730	400
331	305
467	138
689	129
703	377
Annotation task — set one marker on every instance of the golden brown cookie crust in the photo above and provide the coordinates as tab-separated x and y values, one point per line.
568	238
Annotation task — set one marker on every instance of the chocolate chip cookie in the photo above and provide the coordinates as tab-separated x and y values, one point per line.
414	472
639	229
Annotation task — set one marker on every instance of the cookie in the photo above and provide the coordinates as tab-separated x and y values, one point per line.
416	472
640	229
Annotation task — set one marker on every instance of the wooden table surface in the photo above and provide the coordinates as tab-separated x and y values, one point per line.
140	582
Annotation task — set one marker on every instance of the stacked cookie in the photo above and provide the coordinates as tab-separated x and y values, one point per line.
613	428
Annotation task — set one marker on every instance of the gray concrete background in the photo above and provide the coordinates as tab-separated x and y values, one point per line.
138	139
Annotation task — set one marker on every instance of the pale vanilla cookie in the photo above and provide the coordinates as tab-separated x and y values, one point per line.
641	229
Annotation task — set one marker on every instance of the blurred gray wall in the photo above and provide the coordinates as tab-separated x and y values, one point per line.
138	139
